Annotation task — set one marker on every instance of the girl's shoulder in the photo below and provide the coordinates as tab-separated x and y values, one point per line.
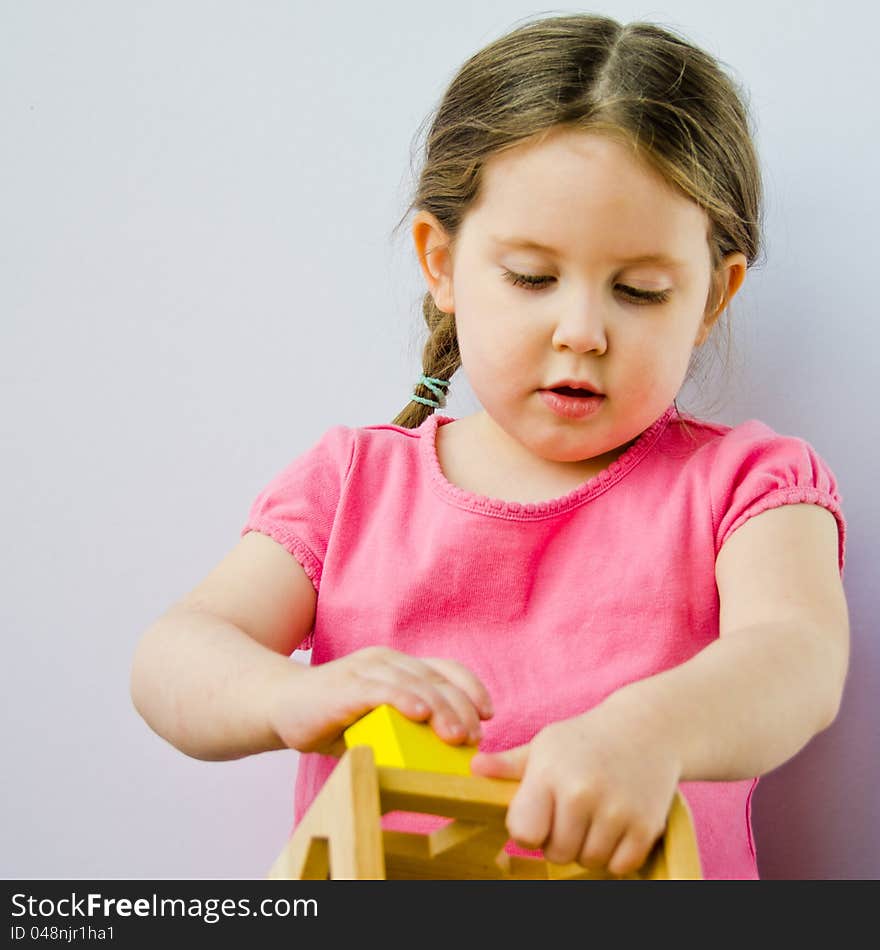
712	429
367	451
750	455
711	436
386	438
341	444
750	467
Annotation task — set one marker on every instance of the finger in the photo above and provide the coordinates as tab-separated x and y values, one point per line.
571	824
600	842
457	720
367	691
467	681
462	690
509	764
530	815
464	713
631	852
432	690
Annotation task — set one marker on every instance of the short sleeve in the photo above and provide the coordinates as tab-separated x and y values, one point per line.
298	506
756	469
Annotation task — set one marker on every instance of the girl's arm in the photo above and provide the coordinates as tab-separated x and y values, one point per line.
213	678
597	788
746	703
753	698
207	687
204	675
215	693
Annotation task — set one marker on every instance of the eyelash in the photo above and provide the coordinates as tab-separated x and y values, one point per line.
636	296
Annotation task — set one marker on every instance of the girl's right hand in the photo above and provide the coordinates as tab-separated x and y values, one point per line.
318	704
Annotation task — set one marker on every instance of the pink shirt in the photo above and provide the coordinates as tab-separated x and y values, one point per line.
555	604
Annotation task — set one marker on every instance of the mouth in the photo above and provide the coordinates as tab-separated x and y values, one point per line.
572	391
576	386
571	402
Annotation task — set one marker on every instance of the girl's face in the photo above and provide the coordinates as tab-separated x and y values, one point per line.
589	310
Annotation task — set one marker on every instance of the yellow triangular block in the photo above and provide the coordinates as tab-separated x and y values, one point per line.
403	744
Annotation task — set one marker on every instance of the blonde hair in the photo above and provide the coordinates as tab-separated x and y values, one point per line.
640	83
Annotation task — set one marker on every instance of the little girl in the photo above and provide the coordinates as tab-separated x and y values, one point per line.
612	600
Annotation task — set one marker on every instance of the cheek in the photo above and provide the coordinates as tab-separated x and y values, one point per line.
638	366
482	354
485	339
656	367
494	336
639	351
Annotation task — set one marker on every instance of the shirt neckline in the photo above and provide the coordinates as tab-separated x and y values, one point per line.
533	511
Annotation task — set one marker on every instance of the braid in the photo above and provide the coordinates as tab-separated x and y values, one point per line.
440	359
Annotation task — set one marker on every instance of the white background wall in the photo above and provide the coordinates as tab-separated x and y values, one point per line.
197	279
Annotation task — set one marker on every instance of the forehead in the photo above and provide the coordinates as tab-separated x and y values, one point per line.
527	244
582	191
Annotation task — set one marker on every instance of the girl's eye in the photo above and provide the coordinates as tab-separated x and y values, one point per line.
636	295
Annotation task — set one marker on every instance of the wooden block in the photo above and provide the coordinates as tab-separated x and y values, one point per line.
400	743
341	836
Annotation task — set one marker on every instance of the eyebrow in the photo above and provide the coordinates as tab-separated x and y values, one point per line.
526	244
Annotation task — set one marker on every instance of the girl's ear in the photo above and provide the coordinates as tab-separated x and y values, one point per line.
726	282
734	266
432	247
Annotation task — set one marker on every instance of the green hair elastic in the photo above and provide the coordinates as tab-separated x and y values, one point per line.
432	384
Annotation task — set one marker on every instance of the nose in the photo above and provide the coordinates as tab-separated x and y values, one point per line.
580	326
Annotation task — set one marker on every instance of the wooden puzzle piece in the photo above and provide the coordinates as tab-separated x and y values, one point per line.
341	836
400	743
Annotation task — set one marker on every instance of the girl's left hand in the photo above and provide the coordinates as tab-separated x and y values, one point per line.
595	789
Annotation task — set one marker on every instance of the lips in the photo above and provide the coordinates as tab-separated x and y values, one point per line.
583	406
575	387
572	391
